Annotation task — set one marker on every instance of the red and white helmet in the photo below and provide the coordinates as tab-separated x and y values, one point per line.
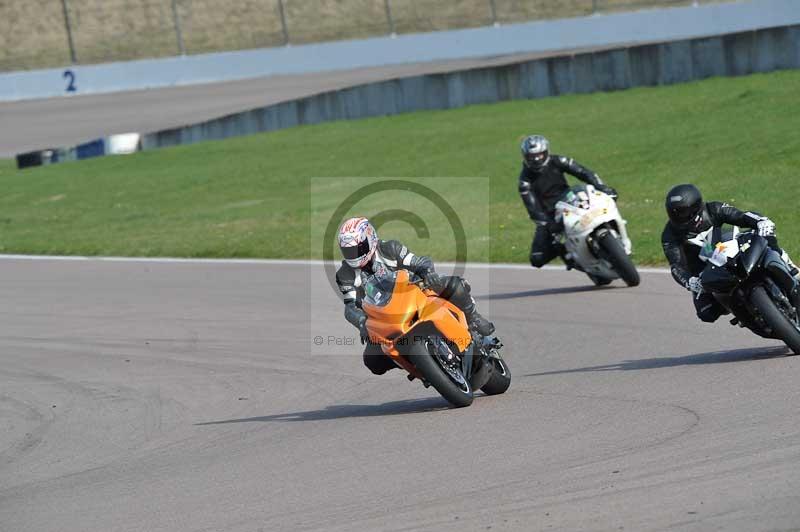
358	241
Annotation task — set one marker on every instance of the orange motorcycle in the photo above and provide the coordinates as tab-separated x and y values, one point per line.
429	337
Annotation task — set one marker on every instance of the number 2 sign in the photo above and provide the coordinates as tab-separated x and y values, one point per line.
69	75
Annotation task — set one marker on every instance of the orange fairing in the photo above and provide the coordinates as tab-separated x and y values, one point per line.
409	306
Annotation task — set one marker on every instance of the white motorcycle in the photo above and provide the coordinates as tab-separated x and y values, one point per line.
595	235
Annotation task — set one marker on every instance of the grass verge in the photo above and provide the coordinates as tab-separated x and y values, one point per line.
253	196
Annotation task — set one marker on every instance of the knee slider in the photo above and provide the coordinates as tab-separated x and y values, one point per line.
708	314
377	371
376	363
537	260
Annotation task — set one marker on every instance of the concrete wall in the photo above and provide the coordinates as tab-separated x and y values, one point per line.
655	25
646	65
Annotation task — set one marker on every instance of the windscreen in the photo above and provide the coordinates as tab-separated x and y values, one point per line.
378	288
719	246
577	197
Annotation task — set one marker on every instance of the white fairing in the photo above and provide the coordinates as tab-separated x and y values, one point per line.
717	253
581	221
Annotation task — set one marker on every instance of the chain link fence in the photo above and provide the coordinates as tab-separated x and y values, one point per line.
49	33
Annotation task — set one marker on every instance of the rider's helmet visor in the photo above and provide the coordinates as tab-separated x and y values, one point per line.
356	252
686	217
536	159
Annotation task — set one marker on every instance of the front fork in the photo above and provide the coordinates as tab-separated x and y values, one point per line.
593	240
618	229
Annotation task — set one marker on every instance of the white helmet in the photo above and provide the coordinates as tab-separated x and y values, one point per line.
358	241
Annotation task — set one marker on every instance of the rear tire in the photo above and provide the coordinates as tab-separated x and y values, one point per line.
780	324
500	379
620	260
457	395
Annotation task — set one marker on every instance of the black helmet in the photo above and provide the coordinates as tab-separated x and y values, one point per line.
685	206
535	151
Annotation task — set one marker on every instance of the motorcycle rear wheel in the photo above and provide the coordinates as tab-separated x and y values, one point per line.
616	255
775	319
500	379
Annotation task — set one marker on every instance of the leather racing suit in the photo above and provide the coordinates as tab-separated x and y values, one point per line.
393	256
684	258
540	190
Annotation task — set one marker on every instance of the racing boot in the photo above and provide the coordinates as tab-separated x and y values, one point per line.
569	260
458	292
479	323
563	254
475	320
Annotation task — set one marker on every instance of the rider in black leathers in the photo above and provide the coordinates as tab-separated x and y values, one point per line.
541	185
365	255
688	216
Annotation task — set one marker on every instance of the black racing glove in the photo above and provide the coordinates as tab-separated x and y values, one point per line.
432	280
608	190
554	227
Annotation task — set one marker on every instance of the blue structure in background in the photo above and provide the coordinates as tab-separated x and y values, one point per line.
94	148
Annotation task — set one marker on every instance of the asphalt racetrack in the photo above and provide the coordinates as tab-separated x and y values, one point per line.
146	396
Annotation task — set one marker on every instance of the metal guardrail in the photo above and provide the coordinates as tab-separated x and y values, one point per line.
646	65
666	63
46	33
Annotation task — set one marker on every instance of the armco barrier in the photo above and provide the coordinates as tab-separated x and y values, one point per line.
647	65
123	143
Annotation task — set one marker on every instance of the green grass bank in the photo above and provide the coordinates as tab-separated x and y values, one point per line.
738	139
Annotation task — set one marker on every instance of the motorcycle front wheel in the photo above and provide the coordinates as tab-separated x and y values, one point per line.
430	356
781	327
615	254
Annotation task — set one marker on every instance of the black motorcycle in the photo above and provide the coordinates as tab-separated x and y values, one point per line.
752	281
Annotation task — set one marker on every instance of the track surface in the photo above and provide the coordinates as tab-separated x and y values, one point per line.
56	122
184	397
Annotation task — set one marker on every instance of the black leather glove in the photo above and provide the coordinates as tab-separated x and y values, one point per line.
432	280
608	190
554	227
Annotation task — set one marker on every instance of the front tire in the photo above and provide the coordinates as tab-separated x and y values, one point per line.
615	254
775	319
458	392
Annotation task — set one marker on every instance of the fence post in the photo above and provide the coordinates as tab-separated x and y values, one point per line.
493	7
284	27
176	20
68	26
389	18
